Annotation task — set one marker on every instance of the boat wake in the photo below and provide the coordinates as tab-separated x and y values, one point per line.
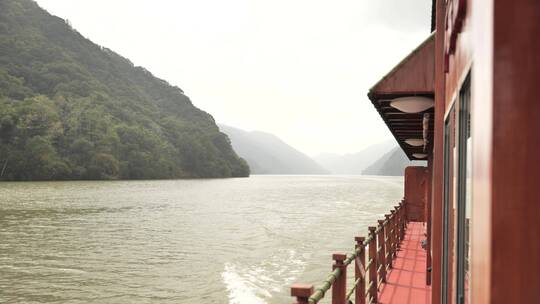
241	290
256	283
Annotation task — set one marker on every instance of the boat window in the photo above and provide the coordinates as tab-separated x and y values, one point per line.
464	194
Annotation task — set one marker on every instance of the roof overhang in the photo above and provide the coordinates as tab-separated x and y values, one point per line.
413	76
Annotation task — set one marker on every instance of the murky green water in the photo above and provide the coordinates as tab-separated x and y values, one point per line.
184	241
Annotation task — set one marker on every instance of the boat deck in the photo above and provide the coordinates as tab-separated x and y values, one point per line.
406	283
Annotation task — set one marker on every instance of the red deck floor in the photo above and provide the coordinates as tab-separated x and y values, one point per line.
406	282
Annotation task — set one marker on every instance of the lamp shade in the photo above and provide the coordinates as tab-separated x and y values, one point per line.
415	142
412	104
419	155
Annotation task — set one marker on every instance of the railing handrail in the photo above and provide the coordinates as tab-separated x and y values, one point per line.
385	239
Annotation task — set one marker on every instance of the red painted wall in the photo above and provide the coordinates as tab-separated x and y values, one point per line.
416	181
505	220
513	206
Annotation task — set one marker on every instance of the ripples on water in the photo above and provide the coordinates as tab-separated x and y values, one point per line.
237	241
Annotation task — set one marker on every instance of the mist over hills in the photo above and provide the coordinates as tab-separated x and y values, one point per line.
268	154
71	109
393	163
384	158
354	163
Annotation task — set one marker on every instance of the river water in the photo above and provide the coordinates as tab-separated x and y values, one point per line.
237	241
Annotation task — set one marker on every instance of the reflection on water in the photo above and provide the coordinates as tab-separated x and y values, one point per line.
182	241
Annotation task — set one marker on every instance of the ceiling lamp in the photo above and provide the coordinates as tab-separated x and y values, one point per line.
419	155
412	104
415	142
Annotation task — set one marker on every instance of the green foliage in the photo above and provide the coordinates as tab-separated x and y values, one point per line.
70	109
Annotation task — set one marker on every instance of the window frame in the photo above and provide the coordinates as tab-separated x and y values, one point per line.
462	231
448	151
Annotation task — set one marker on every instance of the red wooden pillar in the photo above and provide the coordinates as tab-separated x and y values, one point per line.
373	265
382	251
428	219
505	222
437	149
339	288
301	292
360	271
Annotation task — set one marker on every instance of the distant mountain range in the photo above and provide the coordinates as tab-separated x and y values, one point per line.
268	154
354	163
385	158
393	163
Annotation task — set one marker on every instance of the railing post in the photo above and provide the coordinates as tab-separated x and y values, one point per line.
404	217
398	226
404	203
394	232
339	288
360	272
373	265
382	250
301	292
388	244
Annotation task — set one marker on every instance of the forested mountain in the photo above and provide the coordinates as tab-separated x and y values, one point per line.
354	163
392	163
70	109
267	154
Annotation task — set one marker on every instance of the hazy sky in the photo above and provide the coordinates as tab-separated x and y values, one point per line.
299	69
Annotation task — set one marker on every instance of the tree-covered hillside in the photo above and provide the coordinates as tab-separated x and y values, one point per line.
70	109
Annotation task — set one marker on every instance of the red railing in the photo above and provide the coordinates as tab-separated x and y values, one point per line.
382	245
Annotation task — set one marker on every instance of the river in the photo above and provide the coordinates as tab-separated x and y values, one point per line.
236	241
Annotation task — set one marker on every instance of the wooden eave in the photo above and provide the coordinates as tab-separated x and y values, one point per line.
413	76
